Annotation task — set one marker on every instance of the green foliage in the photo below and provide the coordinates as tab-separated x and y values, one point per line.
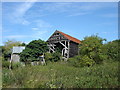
91	52
53	57
81	61
48	56
60	75
10	43
33	50
91	46
75	61
7	48
86	61
56	56
22	44
7	77
5	64
16	65
112	49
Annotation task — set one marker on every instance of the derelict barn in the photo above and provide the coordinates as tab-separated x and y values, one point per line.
67	44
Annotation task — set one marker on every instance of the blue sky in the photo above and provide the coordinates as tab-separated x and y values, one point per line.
27	21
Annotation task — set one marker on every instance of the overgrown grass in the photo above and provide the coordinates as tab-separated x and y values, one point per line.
0	78
61	75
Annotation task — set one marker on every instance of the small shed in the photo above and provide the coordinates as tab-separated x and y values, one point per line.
16	50
67	44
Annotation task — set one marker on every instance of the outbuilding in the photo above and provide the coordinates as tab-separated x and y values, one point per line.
16	50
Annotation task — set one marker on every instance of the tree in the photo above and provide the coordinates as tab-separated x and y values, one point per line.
7	48
22	44
112	49
33	50
91	47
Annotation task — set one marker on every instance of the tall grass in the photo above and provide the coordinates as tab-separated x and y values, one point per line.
61	75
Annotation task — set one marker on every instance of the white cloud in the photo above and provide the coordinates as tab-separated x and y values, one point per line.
34	29
78	14
110	15
105	32
25	22
23	8
16	36
42	24
73	9
57	7
40	33
37	34
110	32
18	15
40	28
107	23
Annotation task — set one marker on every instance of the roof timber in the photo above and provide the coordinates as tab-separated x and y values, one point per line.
60	36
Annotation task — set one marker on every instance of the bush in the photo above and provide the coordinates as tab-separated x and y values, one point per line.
16	65
111	49
56	56
33	50
86	61
7	77
53	57
48	57
5	64
81	61
91	46
75	61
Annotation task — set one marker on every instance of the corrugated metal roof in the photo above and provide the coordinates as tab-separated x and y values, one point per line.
18	49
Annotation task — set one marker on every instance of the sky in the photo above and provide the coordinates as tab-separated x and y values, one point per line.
27	21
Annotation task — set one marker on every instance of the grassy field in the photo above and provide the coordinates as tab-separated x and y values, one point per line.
0	73
62	75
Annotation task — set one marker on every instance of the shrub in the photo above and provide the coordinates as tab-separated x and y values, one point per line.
75	61
91	46
86	61
7	77
111	49
33	50
54	57
16	65
48	57
5	64
81	61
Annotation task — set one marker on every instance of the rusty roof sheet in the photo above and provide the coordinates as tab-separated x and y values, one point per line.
70	37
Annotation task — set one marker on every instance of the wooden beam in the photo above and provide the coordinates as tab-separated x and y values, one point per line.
51	45
63	51
63	44
68	49
51	49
